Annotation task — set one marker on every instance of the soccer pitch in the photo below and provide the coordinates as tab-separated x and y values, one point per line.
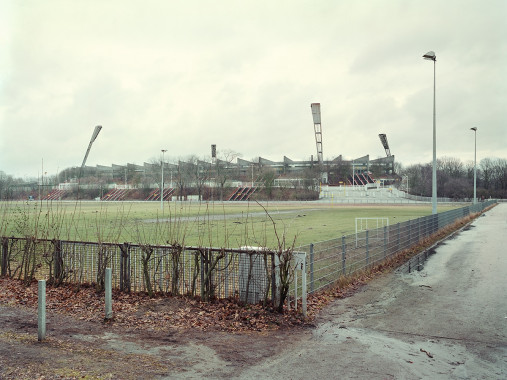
214	224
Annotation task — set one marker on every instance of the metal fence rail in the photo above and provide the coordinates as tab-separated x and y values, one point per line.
331	259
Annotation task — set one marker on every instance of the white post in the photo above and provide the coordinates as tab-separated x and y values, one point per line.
353	174
41	310
434	174
296	289
475	164
109	303
300	264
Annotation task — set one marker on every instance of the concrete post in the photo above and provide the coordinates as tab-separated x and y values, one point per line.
108	291
303	286
41	310
295	289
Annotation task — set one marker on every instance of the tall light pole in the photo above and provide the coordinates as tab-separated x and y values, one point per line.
94	136
162	183
432	57
475	163
353	173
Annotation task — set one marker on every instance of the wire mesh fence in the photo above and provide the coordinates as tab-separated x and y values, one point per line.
197	271
349	254
252	275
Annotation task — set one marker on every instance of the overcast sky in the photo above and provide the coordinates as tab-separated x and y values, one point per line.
182	75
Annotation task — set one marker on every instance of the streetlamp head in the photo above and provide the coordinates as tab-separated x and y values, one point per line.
164	150
95	133
430	56
474	129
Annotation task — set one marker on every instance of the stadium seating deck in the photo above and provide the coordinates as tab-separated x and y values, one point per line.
242	193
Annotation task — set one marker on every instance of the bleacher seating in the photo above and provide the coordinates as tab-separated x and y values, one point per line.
242	193
115	195
54	195
357	180
155	194
365	178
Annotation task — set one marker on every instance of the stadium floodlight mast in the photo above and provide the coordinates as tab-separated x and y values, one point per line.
162	183
94	136
475	163
432	57
353	173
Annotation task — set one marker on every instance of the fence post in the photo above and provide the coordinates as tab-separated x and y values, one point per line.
311	267
367	249
122	267
385	242
274	278
226	275
344	268
108	294
58	262
418	229
5	252
128	269
160	267
409	233
41	310
295	289
202	273
398	243
303	286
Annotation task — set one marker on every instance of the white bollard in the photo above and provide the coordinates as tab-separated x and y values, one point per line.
300	264
109	302
296	289
41	310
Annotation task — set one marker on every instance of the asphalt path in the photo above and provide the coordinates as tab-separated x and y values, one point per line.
222	217
448	321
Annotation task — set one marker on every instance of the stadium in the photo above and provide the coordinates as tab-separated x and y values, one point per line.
228	178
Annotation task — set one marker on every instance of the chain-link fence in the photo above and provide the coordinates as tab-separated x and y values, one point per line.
329	260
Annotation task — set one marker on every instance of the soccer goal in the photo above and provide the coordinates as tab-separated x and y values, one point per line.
375	224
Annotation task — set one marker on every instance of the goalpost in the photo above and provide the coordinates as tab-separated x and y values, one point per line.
363	224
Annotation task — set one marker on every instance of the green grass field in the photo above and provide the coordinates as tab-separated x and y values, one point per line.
204	224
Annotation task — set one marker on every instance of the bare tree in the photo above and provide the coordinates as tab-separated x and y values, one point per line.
182	179
487	168
223	168
451	166
5	182
200	174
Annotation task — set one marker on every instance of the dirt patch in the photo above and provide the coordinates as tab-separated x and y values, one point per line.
76	348
148	338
